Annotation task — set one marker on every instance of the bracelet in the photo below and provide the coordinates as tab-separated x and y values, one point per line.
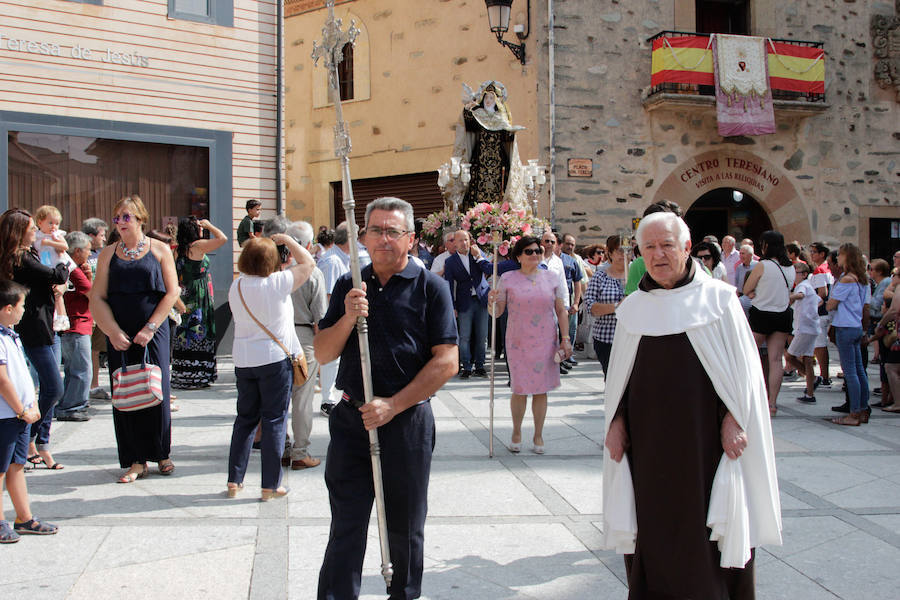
21	415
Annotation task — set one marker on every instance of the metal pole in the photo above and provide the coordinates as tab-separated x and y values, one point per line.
331	49
496	241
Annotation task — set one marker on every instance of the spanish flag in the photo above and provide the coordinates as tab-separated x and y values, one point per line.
688	60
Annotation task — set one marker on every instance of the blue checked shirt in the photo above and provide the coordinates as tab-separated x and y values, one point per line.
604	289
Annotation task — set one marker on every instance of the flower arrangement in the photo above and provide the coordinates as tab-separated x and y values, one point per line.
435	225
482	219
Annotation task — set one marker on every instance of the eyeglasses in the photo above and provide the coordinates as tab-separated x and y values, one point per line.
124	218
704	256
394	234
530	251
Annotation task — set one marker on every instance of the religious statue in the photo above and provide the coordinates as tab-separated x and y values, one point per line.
486	138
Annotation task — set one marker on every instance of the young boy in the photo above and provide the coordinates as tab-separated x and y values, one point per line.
806	330
18	411
50	243
246	230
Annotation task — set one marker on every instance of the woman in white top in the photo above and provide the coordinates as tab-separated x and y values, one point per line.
769	288
263	371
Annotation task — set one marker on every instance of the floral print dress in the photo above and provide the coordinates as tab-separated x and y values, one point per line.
194	356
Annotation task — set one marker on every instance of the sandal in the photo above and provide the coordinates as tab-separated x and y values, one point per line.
54	467
234	489
166	466
852	419
35	527
132	476
7	535
36	459
276	493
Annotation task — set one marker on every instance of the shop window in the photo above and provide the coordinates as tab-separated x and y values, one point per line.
345	73
85	176
723	16
217	12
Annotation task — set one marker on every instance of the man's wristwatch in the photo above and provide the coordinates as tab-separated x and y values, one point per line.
21	415
152	326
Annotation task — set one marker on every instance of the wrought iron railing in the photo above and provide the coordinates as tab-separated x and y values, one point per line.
795	84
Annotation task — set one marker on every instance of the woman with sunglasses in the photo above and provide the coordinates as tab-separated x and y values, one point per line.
535	298
711	257
605	290
20	262
134	289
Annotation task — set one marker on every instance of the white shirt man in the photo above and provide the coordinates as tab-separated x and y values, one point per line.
437	266
730	257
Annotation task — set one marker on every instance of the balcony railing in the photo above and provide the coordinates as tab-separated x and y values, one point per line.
682	64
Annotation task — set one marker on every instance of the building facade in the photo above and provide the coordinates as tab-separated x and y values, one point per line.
405	98
173	100
829	172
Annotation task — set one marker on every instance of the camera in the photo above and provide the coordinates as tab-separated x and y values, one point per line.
283	253
257	226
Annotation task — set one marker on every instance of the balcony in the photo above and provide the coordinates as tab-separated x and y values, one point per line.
682	73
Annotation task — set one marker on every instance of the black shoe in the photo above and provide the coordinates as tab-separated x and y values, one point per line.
807	399
571	360
563	369
843	408
78	415
877	391
326	408
877	404
257	445
479	372
465	374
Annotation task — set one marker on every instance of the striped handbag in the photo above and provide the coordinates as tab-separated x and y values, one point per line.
136	387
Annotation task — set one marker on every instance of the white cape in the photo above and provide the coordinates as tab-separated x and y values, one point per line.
744	507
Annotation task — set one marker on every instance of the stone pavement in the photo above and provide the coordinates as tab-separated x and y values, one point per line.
523	526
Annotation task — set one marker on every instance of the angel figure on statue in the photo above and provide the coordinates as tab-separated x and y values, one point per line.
486	138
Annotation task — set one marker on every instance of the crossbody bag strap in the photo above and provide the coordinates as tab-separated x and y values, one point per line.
783	276
263	327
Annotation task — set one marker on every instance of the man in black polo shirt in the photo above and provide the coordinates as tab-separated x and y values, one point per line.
413	350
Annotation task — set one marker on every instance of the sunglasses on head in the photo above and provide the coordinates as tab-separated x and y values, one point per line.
124	218
530	251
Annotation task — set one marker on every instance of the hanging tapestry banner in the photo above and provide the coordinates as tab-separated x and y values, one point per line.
743	95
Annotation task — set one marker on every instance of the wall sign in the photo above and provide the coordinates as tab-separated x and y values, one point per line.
581	167
79	52
713	172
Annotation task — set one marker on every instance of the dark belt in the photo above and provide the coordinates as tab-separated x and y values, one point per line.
310	325
357	403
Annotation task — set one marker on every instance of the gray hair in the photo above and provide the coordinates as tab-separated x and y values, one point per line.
746	247
728	238
78	239
675	224
93	226
302	232
342	233
390	203
277	224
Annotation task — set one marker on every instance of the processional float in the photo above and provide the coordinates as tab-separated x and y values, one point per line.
331	51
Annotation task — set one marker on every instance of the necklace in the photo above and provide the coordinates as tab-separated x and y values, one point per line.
133	254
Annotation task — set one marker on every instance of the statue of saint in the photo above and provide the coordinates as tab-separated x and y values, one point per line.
486	138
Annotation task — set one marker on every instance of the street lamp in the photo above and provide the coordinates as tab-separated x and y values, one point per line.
498	19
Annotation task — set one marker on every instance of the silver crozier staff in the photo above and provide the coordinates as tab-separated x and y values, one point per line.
331	50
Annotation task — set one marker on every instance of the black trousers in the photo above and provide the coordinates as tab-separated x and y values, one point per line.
407	443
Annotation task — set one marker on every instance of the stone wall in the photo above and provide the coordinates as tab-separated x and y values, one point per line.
840	166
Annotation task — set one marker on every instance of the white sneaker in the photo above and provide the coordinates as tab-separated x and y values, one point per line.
61	323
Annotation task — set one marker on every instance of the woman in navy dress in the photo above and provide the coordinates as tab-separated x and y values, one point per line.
135	287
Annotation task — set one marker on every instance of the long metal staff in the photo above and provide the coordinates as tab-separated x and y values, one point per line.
496	241
332	51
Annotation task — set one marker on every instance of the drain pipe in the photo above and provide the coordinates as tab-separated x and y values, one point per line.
279	101
551	87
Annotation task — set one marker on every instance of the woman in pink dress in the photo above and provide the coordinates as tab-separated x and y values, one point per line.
534	298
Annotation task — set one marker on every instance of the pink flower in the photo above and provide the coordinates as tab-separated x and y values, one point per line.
482	239
526	228
504	207
503	249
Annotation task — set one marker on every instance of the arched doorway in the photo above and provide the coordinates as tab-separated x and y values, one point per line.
727	211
